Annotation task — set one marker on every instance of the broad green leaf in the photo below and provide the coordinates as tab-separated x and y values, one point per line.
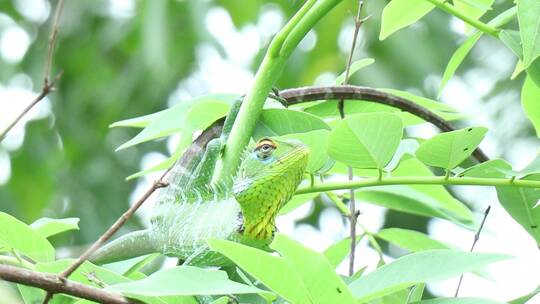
137	122
532	168
447	150
184	281
441	109
490	168
274	272
411	240
366	140
522	205
276	122
401	13
316	139
199	112
297	201
417	292
457	58
337	252
425	266
459	301
408	199
530	101
512	40
320	279
16	235
329	108
355	67
48	226
529	29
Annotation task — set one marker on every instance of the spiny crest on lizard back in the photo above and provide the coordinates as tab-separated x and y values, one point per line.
268	176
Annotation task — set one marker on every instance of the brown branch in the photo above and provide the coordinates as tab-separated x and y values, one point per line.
476	238
114	228
353	217
51	283
48	86
362	94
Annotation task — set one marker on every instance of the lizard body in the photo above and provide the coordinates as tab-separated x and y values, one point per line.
190	210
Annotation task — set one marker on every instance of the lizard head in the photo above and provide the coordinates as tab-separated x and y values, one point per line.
268	177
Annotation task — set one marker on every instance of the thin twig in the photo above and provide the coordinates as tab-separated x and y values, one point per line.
51	283
48	86
362	94
476	238
353	214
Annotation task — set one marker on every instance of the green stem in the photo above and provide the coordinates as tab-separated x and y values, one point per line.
419	180
278	52
449	8
339	203
14	261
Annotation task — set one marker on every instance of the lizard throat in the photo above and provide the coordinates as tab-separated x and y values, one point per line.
260	197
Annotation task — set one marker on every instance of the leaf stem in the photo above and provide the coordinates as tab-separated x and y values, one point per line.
418	180
449	8
278	52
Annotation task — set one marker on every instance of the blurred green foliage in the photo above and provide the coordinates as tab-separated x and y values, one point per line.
117	68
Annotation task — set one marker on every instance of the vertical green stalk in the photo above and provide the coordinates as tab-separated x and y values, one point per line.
278	52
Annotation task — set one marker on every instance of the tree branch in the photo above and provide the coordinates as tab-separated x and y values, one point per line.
48	86
51	283
350	92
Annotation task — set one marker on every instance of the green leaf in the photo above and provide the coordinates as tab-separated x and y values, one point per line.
426	200
441	109
411	240
319	277
316	139
297	201
401	13
277	122
459	301
512	40
524	299
490	168
529	29
184	281
337	252
16	235
531	102
222	300
275	272
196	113
137	122
355	67
457	58
425	266
48	226
366	140
447	150
522	205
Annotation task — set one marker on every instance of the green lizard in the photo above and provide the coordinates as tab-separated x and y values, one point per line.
190	210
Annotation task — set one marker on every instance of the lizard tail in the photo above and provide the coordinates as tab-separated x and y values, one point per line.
128	246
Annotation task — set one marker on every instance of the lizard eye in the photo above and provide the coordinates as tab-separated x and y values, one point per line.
264	149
